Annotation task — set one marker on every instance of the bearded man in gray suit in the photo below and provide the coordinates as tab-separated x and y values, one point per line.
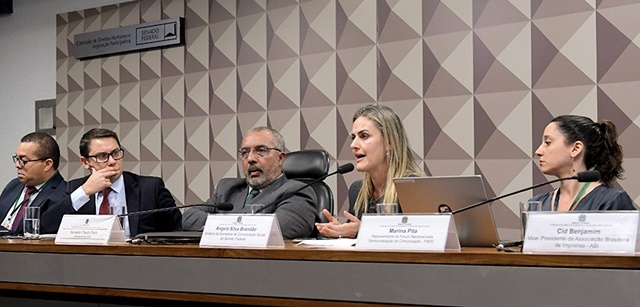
262	154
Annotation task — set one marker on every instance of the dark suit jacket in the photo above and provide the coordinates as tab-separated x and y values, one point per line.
142	192
296	214
52	191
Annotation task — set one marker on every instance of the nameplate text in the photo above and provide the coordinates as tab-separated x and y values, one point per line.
89	229
429	232
242	230
585	232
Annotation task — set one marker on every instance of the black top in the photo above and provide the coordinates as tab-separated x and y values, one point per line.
354	189
601	198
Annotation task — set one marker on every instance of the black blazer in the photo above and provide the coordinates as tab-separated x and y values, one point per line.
142	192
52	191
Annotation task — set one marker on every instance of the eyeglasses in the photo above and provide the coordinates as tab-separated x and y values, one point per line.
104	157
22	163
261	151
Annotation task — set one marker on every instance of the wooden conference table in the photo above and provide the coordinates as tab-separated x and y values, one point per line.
294	276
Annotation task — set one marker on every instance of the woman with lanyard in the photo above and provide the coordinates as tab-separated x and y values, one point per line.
572	144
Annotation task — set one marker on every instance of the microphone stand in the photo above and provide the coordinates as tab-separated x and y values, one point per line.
342	169
509	194
216	208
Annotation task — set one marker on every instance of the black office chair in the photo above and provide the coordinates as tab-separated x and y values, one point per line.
306	166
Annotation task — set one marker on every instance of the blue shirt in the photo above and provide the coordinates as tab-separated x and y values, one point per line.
117	199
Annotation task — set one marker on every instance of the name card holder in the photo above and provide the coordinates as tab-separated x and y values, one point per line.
90	229
419	232
582	232
242	230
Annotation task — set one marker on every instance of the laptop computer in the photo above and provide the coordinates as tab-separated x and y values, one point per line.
476	227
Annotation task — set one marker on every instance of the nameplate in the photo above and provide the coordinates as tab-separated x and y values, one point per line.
243	230
90	229
586	232
428	232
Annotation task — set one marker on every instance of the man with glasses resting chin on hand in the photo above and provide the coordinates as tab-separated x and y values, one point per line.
39	184
108	185
262	155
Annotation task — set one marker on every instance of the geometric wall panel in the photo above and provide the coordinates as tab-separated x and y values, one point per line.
475	83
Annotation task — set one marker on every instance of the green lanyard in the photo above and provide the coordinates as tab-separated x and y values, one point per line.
575	200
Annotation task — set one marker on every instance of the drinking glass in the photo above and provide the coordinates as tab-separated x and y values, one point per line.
116	209
525	208
256	208
386	208
32	223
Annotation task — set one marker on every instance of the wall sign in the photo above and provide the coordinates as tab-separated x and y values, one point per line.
168	32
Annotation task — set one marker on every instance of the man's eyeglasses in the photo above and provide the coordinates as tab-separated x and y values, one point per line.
22	163
104	157
261	151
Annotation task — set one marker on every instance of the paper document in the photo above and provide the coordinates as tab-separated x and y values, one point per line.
330	242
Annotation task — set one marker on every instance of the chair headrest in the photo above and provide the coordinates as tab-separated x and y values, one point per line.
309	164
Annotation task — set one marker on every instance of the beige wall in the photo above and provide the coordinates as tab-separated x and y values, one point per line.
27	62
474	81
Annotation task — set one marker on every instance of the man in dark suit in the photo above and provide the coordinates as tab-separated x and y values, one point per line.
39	184
108	186
262	154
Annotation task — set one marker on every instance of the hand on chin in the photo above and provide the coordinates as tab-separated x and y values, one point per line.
115	177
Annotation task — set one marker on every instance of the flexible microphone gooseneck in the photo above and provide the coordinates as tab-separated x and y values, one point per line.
586	176
342	169
218	207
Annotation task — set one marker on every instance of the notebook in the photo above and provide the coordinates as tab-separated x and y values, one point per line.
476	227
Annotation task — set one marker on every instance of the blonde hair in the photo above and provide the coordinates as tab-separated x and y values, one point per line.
399	157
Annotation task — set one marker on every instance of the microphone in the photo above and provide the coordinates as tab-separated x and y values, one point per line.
503	248
342	169
586	176
218	207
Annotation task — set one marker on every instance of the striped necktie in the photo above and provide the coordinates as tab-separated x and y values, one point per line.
25	202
